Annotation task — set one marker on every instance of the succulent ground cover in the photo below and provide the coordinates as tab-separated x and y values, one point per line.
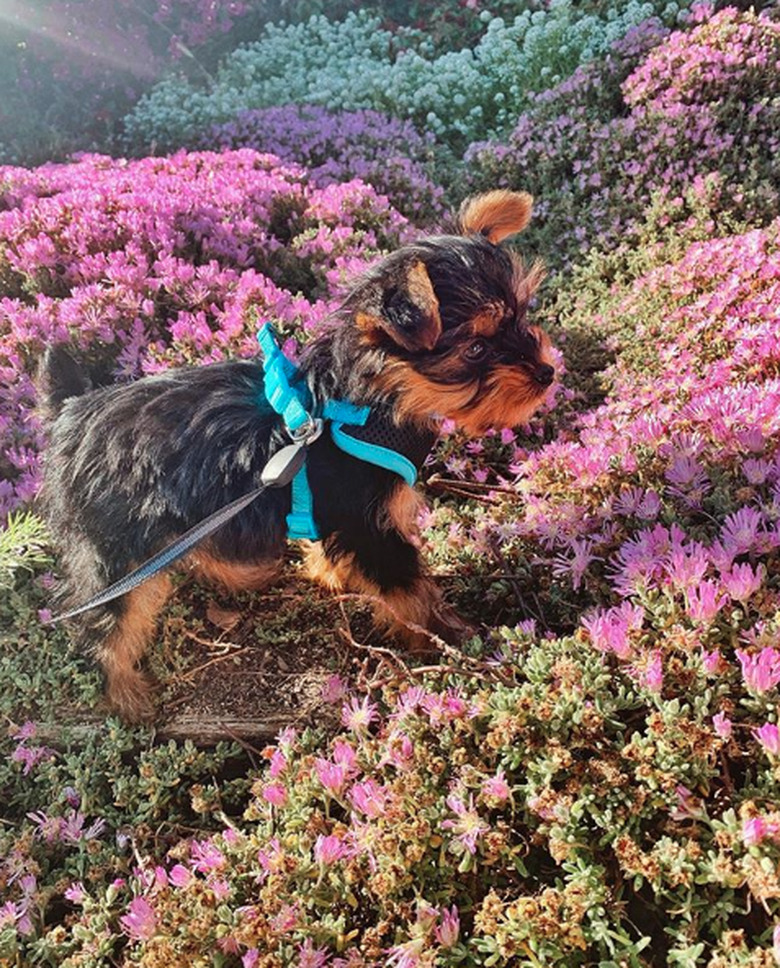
593	779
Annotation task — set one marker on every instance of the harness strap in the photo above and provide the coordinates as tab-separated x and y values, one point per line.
366	434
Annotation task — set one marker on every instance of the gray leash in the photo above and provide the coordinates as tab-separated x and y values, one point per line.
278	472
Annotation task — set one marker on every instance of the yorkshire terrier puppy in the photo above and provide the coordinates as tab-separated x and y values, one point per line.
436	330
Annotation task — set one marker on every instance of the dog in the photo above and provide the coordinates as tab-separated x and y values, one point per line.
438	329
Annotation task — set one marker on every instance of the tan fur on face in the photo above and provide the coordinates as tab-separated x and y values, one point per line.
496	215
419	399
511	397
510	400
488	322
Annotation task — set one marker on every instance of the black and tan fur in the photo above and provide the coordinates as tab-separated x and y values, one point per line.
438	329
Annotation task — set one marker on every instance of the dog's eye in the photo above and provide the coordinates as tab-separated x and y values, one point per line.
475	350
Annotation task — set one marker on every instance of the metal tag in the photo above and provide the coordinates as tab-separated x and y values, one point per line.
284	465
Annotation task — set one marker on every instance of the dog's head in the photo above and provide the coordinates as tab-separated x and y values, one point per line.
449	316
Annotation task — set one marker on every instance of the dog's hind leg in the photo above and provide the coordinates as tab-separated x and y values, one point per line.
117	636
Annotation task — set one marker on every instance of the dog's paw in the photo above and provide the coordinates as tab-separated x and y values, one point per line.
132	698
450	626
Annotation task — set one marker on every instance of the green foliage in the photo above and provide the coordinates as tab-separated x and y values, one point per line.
22	546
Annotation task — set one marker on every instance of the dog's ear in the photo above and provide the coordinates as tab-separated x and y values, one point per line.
409	310
495	215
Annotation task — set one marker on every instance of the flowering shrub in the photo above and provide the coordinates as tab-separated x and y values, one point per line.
148	263
595	176
384	152
458	95
592	780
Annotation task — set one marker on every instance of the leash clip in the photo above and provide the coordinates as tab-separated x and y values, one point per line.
308	431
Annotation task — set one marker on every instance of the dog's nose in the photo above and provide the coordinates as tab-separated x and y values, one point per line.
544	375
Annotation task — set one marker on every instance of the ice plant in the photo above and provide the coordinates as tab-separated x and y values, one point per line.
761	671
768	736
468	826
140	922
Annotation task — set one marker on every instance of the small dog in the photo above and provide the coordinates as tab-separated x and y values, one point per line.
436	330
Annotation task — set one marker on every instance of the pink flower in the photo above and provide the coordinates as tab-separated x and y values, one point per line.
610	628
407	954
652	676
179	875
754	831
311	957
75	893
333	776
740	530
220	887
370	798
741	581
275	794
272	859
469	826
278	763
334	689
710	661
703	601
448	706
344	755
496	787
250	958
448	930
140	922
688	806
358	714
327	850
722	725
761	672
207	856
776	943
769	737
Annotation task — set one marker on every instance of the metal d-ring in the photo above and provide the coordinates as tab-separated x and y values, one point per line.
308	431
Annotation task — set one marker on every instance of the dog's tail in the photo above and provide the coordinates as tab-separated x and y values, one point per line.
59	377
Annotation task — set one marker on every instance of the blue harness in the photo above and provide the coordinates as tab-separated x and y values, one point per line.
286	392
